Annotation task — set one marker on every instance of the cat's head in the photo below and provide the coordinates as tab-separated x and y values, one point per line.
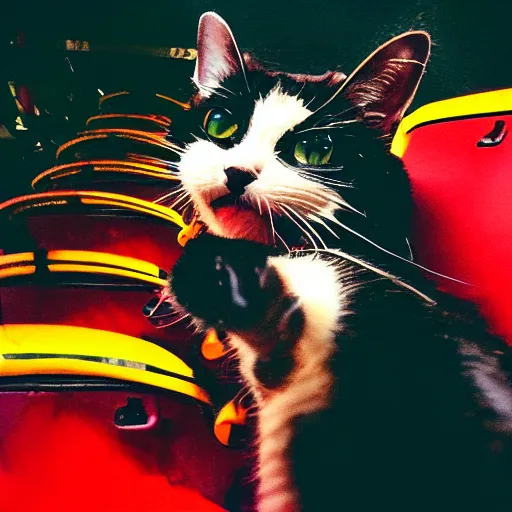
275	150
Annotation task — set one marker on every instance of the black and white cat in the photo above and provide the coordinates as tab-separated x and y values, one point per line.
371	394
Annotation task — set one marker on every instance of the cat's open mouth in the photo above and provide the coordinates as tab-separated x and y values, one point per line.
240	219
225	200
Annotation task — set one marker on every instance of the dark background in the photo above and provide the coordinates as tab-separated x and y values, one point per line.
471	51
472	39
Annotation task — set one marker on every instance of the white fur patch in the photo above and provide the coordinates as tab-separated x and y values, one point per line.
203	163
316	283
273	116
202	176
490	379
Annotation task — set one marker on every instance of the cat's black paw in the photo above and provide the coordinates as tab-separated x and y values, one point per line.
225	283
275	340
229	284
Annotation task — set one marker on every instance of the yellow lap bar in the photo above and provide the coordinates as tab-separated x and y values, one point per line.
33	349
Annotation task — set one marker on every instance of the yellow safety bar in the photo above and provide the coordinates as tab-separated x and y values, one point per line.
184	106
34	349
30	203
163	121
83	262
462	107
121	166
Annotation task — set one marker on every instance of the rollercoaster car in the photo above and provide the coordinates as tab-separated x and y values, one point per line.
99	404
458	154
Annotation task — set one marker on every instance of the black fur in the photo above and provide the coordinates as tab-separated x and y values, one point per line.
408	427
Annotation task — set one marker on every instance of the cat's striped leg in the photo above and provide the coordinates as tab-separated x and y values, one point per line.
290	373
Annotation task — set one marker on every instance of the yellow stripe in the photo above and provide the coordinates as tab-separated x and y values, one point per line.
133	268
58	339
125	131
113	95
10	367
94	269
127	262
17	271
69	173
100	198
155	174
490	103
184	106
75	141
161	120
105	165
11	259
122	134
132	207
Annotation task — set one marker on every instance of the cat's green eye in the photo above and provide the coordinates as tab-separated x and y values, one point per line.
316	150
219	123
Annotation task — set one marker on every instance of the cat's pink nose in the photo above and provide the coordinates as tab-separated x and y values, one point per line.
237	180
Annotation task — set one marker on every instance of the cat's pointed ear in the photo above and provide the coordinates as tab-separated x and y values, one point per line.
384	85
218	56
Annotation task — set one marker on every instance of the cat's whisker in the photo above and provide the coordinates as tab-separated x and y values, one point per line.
313	230
227	362
327	196
327	122
307	224
173	146
391	253
258	201
365	264
323	179
324	193
301	203
281	207
281	239
329	127
311	101
163	198
244	393
316	170
318	220
337	199
271	220
185	204
177	321
229	91
213	90
169	195
344	122
300	92
310	173
179	199
341	88
321	198
176	149
411	254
